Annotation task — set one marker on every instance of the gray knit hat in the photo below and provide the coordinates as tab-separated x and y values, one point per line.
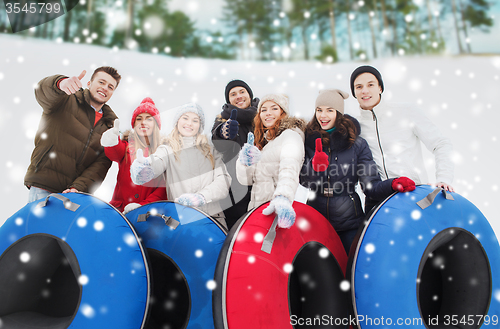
333	98
280	99
193	108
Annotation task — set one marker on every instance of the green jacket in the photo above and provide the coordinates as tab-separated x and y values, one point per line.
68	151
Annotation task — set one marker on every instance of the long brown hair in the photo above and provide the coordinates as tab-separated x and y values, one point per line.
260	129
342	124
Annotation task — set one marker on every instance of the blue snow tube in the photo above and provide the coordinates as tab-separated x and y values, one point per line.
431	264
71	261
183	245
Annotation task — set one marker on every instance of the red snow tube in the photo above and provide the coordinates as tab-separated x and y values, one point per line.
300	279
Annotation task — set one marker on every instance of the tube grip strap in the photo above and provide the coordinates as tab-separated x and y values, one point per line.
267	245
66	202
169	221
429	199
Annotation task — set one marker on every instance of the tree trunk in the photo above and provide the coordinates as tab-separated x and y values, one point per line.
332	26
429	17
374	40
130	21
305	41
386	24
455	21
89	14
67	25
464	26
349	33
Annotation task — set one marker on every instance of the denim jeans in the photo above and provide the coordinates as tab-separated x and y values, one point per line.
37	194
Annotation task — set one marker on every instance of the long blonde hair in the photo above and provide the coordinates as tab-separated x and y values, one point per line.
174	140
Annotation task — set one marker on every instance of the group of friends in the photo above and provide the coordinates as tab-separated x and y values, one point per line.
257	152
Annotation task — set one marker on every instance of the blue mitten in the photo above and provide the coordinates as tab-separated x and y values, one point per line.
249	154
283	208
191	199
229	129
141	171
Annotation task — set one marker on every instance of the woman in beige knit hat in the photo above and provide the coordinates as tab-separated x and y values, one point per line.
336	159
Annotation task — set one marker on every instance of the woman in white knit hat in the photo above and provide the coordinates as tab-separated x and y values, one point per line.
194	171
336	160
272	165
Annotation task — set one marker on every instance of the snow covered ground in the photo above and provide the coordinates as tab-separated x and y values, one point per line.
460	94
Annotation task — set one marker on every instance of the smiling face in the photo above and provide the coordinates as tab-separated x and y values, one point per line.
270	112
101	89
326	117
367	91
188	124
239	97
144	125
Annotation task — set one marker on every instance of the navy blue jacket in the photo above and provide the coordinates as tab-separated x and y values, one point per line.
348	166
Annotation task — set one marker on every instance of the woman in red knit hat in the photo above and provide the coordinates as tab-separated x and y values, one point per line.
145	136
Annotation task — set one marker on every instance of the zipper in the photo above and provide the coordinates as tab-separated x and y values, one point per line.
354	202
380	144
43	158
328	180
85	147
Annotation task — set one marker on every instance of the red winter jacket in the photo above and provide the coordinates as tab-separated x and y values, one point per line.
125	190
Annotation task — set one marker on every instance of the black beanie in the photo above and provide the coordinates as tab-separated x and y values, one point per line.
366	69
237	83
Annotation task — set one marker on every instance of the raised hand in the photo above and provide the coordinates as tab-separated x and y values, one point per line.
229	129
249	154
403	184
111	136
73	84
320	159
283	209
141	170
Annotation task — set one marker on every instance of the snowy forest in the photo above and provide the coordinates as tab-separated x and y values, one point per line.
325	30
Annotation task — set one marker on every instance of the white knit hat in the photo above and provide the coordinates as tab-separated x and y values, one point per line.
280	99
193	108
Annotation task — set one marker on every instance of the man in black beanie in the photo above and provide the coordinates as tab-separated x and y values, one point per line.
394	132
229	133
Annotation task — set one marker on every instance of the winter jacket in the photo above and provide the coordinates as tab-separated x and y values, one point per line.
68	151
236	203
193	173
125	190
277	172
394	132
348	165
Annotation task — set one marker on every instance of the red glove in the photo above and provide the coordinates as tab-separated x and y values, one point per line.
320	160
403	184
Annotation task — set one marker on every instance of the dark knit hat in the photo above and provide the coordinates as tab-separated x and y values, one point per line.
366	69
147	106
237	83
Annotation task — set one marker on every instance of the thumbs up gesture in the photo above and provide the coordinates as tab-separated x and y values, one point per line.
73	84
230	128
249	154
320	159
111	136
141	170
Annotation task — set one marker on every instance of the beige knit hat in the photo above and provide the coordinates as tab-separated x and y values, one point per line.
333	98
280	99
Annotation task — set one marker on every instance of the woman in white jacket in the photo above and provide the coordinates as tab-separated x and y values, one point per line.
272	166
194	172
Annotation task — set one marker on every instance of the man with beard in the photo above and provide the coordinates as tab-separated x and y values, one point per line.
68	156
229	133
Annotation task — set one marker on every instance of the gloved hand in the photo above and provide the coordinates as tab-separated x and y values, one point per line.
229	129
111	136
130	207
403	184
283	208
249	154
141	171
191	199
320	159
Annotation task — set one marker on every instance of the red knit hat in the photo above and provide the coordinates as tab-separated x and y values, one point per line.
147	106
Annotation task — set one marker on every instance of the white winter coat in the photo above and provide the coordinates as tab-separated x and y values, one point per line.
401	128
193	173
277	172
